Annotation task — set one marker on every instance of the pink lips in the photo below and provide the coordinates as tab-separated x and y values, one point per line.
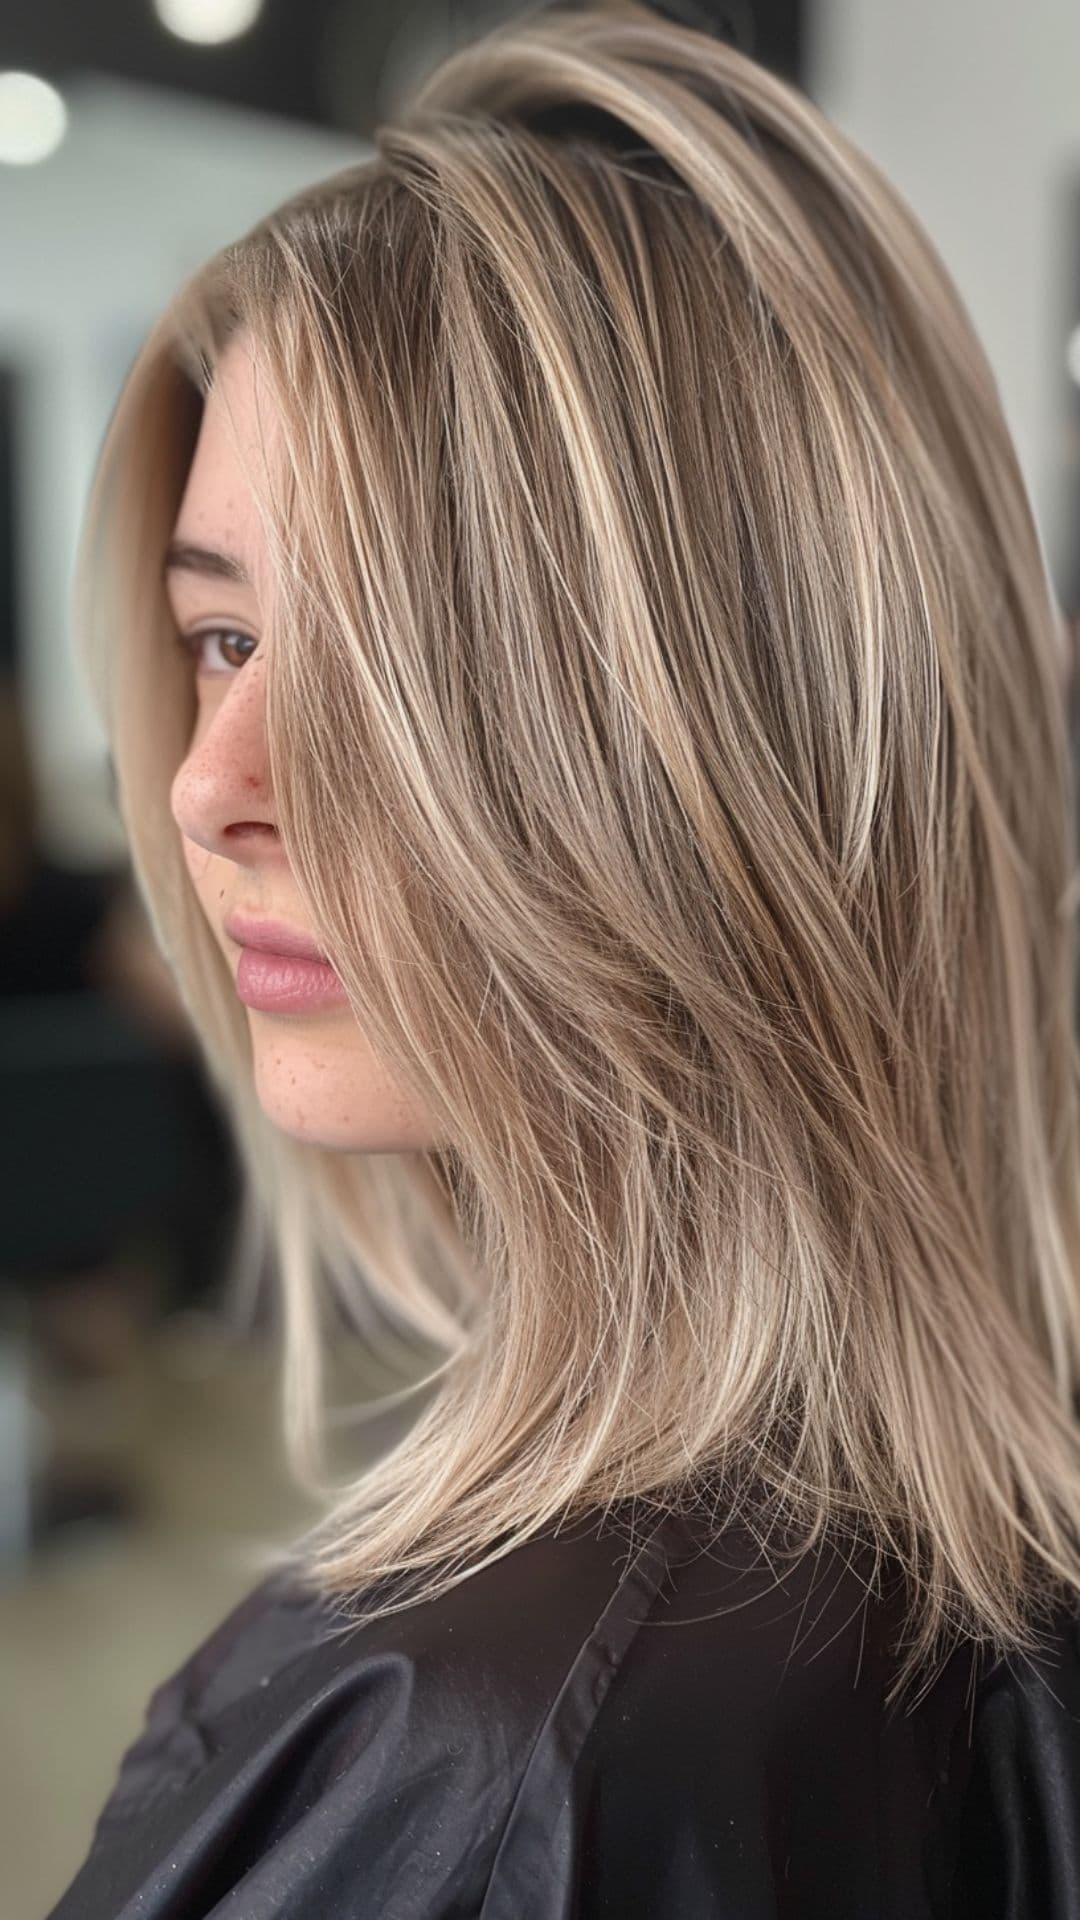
281	970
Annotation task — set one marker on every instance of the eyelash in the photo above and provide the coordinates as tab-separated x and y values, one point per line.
192	642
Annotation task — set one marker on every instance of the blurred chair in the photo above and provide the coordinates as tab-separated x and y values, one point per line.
111	1146
109	1149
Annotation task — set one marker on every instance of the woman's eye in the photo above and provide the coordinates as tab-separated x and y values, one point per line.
229	640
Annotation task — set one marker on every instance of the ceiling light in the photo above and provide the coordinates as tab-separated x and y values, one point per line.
208	22
33	118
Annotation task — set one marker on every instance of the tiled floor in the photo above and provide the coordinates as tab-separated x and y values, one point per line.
92	1624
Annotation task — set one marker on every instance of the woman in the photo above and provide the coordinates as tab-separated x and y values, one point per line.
571	572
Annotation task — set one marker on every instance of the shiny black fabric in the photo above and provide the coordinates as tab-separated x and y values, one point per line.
579	1731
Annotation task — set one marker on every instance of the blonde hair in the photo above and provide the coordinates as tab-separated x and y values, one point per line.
665	719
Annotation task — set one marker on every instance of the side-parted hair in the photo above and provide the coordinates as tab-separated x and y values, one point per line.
666	719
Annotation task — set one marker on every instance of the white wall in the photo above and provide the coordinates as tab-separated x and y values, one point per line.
145	185
973	110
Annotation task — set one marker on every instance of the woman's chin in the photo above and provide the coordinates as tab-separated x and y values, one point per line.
328	1098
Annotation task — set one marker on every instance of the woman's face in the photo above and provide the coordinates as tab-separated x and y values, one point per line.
315	1074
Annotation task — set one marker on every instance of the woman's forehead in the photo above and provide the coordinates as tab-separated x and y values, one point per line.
218	511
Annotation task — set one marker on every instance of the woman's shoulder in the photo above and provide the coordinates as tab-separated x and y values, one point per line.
632	1715
294	1744
662	1599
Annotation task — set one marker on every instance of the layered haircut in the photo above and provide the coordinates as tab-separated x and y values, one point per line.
667	727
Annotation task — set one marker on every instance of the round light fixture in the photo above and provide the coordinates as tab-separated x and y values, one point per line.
208	22
33	118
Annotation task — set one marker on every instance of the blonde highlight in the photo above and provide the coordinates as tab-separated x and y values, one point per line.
668	734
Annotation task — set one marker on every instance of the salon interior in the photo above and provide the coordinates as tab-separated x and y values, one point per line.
141	1465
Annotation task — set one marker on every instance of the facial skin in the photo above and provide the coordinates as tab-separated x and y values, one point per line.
315	1074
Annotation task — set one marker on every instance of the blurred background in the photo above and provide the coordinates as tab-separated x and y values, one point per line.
139	1451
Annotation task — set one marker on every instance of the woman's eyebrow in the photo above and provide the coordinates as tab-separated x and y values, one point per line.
184	555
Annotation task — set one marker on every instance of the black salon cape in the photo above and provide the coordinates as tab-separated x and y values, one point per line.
578	1731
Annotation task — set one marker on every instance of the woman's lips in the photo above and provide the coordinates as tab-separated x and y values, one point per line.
277	983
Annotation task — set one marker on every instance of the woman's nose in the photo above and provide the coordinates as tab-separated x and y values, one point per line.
220	795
